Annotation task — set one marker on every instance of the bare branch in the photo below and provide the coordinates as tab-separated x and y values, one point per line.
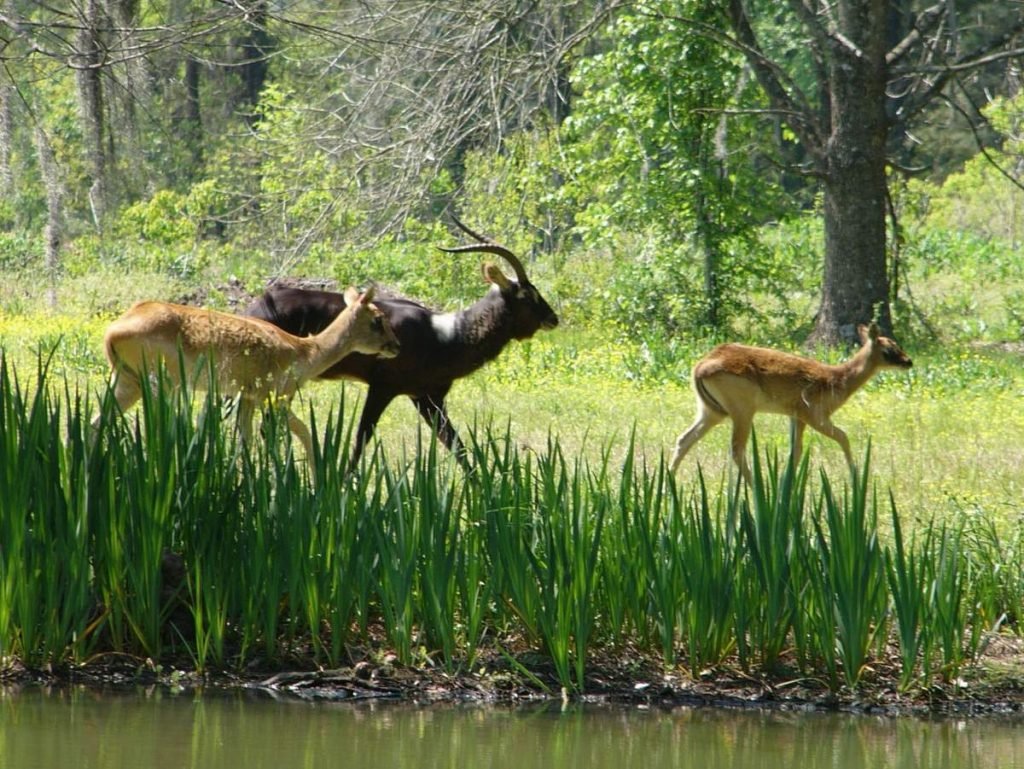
781	91
926	22
992	50
980	143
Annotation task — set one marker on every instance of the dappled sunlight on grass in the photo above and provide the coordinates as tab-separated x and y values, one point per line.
78	343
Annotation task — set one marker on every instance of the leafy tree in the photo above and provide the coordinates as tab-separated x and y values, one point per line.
652	148
851	79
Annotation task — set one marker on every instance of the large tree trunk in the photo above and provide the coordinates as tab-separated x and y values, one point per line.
855	281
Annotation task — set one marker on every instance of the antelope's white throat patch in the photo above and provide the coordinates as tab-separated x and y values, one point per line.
444	325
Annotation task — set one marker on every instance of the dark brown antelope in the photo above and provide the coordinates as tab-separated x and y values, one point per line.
735	381
250	358
436	347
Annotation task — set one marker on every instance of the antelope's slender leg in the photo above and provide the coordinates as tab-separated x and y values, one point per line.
706	419
433	411
825	426
246	412
376	401
741	427
127	391
797	427
300	431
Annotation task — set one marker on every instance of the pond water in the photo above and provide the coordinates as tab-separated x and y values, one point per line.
83	729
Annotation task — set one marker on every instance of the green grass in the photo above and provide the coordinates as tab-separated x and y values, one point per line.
948	436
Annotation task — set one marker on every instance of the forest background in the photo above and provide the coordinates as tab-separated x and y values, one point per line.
674	174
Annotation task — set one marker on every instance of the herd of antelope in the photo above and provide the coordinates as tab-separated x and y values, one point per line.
398	346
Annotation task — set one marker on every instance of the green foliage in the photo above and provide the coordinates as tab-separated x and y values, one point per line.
412	265
965	287
962	241
648	149
518	192
18	250
297	189
980	199
657	204
159	220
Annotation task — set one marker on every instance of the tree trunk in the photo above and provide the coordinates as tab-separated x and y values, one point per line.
53	231
192	121
256	46
123	136
7	93
855	280
6	134
90	102
710	152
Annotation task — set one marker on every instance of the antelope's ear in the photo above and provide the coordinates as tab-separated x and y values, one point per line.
864	333
351	296
493	275
367	296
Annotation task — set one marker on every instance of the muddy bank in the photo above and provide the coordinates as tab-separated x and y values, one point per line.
992	686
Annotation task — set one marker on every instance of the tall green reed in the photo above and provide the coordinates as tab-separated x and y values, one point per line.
993	556
336	546
46	603
910	590
937	620
158	474
435	491
948	579
769	578
563	560
473	584
396	529
531	548
709	553
627	588
847	577
656	520
504	490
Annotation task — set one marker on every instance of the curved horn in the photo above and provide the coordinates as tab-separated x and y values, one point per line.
471	233
488	246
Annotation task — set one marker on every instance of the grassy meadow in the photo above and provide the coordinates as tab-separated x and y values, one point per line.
947	437
568	539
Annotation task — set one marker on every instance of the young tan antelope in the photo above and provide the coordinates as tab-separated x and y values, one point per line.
737	381
250	358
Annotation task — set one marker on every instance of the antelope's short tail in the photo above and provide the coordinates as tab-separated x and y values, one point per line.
708	399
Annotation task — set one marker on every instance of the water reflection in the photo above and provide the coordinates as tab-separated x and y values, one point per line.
82	728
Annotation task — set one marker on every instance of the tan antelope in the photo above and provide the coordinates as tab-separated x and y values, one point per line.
737	381
250	358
